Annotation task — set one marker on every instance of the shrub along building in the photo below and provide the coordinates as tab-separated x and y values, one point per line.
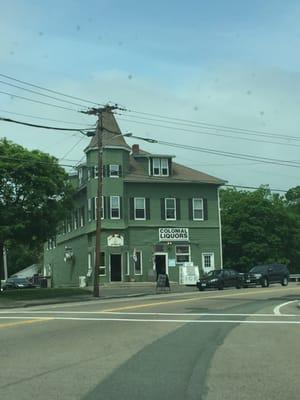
156	215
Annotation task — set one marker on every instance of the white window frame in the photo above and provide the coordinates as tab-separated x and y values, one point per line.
175	211
96	171
111	208
141	263
80	175
90	209
135	208
81	216
183	254
156	160
166	166
111	170
195	209
160	164
212	259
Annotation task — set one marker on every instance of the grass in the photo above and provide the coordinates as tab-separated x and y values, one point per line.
40	294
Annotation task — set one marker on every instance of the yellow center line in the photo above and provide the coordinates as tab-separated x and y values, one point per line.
158	303
27	322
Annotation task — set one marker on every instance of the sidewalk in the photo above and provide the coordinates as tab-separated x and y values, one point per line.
107	291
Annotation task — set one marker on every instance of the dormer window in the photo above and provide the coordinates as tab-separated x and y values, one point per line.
160	167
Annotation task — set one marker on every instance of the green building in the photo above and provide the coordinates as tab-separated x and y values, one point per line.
156	216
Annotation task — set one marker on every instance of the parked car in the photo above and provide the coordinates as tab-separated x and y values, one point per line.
220	279
265	274
17	283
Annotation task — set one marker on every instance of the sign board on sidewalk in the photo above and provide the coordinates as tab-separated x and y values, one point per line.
188	275
162	282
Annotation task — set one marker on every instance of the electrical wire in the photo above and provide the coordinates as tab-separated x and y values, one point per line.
45	119
41	126
42	94
214	134
50	90
215	128
25	160
38	102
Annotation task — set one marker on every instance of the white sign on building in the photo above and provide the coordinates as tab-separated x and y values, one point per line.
115	240
188	275
173	234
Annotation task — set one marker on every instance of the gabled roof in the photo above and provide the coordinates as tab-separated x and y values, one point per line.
112	135
180	173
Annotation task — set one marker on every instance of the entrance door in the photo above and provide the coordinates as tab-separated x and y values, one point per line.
160	264
115	267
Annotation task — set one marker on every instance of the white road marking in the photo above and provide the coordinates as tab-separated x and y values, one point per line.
177	321
148	313
277	308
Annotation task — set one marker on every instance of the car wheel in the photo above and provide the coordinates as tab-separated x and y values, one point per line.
201	289
284	281
239	286
221	286
265	282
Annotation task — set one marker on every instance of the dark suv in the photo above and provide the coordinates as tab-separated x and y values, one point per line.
265	274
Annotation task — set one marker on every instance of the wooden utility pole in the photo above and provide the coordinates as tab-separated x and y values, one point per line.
99	133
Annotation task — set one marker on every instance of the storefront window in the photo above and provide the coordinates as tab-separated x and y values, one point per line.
182	254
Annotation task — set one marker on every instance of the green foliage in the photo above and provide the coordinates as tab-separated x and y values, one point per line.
34	195
259	227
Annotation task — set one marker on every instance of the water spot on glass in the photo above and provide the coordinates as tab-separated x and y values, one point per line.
262	113
78	28
129	76
41	33
249	92
120	43
11	52
90	19
196	108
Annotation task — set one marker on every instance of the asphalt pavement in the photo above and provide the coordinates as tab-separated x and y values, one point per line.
231	344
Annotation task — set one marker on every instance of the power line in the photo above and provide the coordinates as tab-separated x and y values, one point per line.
215	128
213	134
50	90
255	188
71	149
248	157
38	102
44	118
25	160
42	126
42	94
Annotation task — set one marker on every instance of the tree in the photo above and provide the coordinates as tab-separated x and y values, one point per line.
35	196
257	228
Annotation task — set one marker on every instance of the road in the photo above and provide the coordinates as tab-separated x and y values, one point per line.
231	344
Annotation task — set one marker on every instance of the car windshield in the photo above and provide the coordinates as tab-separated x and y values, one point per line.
258	269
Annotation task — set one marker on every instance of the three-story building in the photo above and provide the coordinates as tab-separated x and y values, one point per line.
156	215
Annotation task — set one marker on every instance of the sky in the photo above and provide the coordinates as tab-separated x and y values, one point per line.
220	62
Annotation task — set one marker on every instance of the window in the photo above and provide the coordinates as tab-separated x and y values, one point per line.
198	209
69	224
115	207
80	176
139	208
156	166
76	218
91	209
137	259
160	167
208	260
96	171
114	171
102	269
164	165
81	216
183	254
170	209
